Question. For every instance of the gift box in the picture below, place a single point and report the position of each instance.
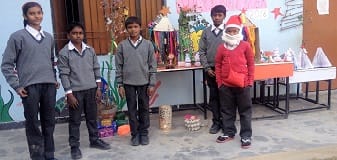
(107, 113)
(106, 122)
(99, 126)
(114, 127)
(105, 132)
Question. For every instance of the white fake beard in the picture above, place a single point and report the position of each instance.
(232, 41)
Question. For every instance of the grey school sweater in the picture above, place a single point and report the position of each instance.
(33, 60)
(208, 45)
(78, 72)
(135, 65)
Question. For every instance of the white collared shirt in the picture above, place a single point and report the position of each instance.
(35, 33)
(216, 30)
(137, 42)
(72, 47)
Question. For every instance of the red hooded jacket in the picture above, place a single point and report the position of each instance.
(240, 59)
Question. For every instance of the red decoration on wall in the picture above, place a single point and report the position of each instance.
(155, 95)
(277, 12)
(243, 11)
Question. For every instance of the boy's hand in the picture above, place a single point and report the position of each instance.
(211, 73)
(150, 91)
(98, 95)
(22, 92)
(57, 85)
(121, 92)
(72, 101)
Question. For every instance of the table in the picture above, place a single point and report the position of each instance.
(273, 71)
(193, 69)
(313, 75)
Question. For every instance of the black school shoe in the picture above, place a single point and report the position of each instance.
(99, 144)
(214, 129)
(144, 140)
(224, 138)
(135, 140)
(246, 142)
(75, 153)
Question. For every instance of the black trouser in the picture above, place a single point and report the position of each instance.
(41, 99)
(214, 99)
(87, 103)
(139, 119)
(233, 99)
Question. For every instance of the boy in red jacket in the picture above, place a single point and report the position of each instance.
(234, 68)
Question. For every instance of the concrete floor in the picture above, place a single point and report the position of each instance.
(305, 131)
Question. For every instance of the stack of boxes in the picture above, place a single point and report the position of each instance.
(106, 124)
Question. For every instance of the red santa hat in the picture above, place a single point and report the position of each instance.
(234, 21)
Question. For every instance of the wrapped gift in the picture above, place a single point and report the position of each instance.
(114, 127)
(105, 132)
(106, 122)
(108, 113)
(99, 126)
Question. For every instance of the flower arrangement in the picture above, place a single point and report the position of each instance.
(115, 13)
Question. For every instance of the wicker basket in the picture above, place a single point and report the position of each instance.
(192, 123)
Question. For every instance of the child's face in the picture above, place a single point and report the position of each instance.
(133, 29)
(218, 18)
(34, 16)
(76, 35)
(232, 31)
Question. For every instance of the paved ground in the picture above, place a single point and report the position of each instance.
(303, 136)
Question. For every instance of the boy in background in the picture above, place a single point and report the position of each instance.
(208, 44)
(136, 76)
(81, 80)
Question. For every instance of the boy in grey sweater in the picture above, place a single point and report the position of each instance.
(81, 79)
(136, 76)
(27, 65)
(208, 45)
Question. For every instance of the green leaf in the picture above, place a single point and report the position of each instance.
(60, 104)
(102, 70)
(5, 116)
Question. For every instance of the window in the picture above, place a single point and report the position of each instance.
(90, 14)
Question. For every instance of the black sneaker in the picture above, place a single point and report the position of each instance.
(135, 140)
(99, 144)
(214, 129)
(75, 153)
(224, 138)
(246, 142)
(144, 140)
